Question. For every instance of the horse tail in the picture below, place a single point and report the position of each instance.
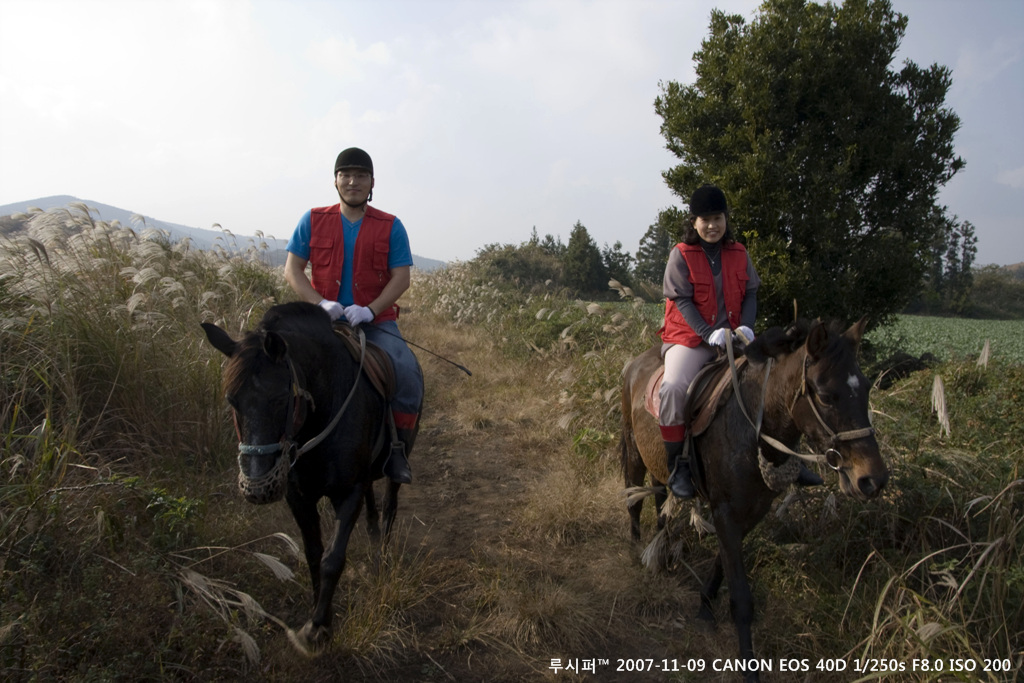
(629, 455)
(624, 451)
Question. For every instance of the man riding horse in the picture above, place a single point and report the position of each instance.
(360, 265)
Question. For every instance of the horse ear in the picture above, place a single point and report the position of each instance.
(220, 339)
(817, 339)
(856, 331)
(274, 346)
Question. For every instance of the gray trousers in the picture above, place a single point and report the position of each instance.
(682, 364)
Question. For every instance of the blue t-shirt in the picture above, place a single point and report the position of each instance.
(399, 253)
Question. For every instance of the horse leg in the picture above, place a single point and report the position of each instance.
(372, 514)
(659, 501)
(741, 599)
(634, 472)
(317, 630)
(709, 591)
(390, 507)
(308, 518)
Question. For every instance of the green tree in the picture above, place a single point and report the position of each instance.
(946, 284)
(553, 246)
(584, 269)
(657, 243)
(961, 248)
(550, 245)
(526, 265)
(618, 264)
(997, 293)
(831, 159)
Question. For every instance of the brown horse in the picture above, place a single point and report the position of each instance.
(311, 424)
(814, 389)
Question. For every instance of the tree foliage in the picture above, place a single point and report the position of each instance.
(657, 242)
(584, 268)
(528, 264)
(947, 283)
(997, 293)
(831, 159)
(618, 264)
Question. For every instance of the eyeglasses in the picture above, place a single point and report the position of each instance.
(360, 177)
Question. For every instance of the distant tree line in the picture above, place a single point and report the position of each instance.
(579, 266)
(951, 286)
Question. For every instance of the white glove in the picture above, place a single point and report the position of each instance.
(333, 308)
(357, 315)
(717, 337)
(745, 331)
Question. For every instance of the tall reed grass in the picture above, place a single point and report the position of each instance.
(106, 396)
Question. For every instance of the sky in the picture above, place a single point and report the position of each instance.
(485, 120)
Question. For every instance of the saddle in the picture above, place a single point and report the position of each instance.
(378, 368)
(376, 364)
(708, 391)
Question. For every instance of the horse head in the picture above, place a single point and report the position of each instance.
(262, 386)
(832, 409)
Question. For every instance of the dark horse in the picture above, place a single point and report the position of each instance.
(814, 388)
(309, 424)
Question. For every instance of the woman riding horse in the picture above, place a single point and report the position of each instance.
(802, 381)
(710, 290)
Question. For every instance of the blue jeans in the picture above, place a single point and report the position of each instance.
(409, 394)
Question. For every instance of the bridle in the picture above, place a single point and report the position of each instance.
(296, 403)
(832, 457)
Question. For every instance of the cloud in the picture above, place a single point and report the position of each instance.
(563, 55)
(980, 66)
(1013, 178)
(342, 57)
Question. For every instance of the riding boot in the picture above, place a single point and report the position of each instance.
(679, 481)
(808, 478)
(396, 468)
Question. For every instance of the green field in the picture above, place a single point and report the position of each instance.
(953, 338)
(945, 338)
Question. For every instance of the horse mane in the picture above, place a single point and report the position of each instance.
(780, 341)
(298, 317)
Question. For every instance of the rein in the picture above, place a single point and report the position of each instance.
(286, 443)
(832, 457)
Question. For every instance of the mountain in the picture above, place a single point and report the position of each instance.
(203, 239)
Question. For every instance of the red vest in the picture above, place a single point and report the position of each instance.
(734, 288)
(369, 260)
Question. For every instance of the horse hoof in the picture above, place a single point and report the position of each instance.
(706, 621)
(310, 639)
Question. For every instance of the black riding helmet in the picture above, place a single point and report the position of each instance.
(708, 199)
(353, 157)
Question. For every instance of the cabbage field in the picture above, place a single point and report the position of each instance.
(953, 338)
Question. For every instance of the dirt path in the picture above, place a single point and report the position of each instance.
(468, 507)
